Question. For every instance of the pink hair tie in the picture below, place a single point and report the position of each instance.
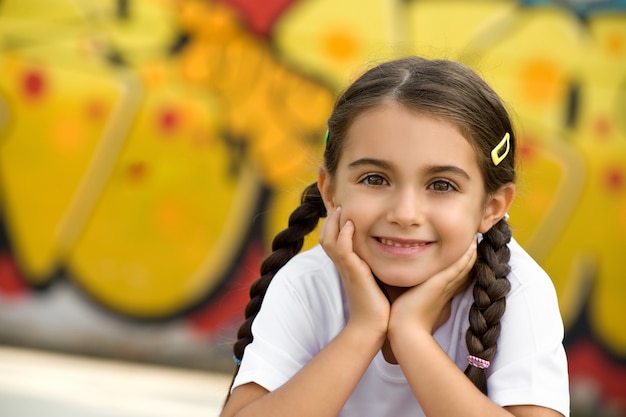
(477, 362)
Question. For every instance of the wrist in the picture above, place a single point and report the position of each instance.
(401, 327)
(366, 335)
(403, 318)
(403, 340)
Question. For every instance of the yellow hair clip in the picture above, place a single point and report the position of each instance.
(496, 157)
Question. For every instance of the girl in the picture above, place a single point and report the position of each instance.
(417, 178)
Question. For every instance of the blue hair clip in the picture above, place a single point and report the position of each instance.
(237, 360)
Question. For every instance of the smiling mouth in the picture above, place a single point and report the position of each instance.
(401, 244)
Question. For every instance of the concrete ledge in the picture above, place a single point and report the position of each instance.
(36, 383)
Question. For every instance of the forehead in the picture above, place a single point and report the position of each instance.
(403, 136)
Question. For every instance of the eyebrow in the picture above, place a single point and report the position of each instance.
(441, 169)
(433, 170)
(370, 161)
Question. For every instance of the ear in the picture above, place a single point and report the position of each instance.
(496, 206)
(324, 184)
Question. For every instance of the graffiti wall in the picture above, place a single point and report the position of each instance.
(150, 150)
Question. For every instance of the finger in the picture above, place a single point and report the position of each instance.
(344, 240)
(465, 264)
(330, 228)
(470, 257)
(454, 275)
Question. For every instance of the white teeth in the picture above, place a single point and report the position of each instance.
(398, 244)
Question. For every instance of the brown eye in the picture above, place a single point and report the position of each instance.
(374, 180)
(441, 186)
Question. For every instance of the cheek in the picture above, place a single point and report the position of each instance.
(458, 228)
(362, 217)
(460, 216)
(357, 210)
(353, 207)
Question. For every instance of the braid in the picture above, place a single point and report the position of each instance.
(490, 288)
(285, 246)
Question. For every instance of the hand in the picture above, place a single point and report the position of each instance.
(427, 306)
(369, 307)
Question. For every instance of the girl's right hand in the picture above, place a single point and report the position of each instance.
(369, 308)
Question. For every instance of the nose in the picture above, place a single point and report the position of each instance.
(406, 208)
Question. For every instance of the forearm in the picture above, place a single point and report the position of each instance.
(440, 387)
(321, 387)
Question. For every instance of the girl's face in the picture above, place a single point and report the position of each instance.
(413, 188)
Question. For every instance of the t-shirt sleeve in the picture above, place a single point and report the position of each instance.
(530, 366)
(297, 318)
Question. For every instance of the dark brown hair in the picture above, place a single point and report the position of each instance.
(447, 90)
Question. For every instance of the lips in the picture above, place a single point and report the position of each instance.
(402, 243)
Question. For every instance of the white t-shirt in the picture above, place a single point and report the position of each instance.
(305, 308)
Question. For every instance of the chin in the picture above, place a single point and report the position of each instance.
(398, 281)
(392, 292)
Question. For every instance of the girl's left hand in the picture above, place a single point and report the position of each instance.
(427, 306)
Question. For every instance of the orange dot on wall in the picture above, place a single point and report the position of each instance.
(95, 110)
(136, 171)
(603, 126)
(616, 44)
(66, 136)
(169, 216)
(154, 75)
(542, 81)
(539, 201)
(202, 138)
(340, 44)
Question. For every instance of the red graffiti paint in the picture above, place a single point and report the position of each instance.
(614, 179)
(526, 149)
(33, 84)
(588, 362)
(169, 120)
(260, 15)
(11, 284)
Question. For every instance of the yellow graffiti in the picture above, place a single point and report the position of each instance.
(147, 204)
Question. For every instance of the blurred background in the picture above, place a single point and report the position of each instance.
(151, 149)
